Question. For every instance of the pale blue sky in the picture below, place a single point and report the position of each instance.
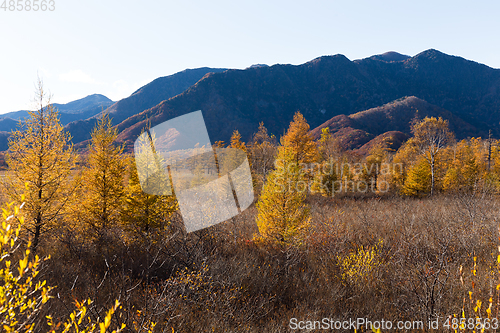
(113, 47)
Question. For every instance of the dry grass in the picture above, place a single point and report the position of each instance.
(221, 280)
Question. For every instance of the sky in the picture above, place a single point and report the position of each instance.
(114, 47)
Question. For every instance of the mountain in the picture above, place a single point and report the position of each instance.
(390, 56)
(144, 98)
(392, 140)
(368, 96)
(357, 129)
(4, 136)
(80, 109)
(9, 124)
(329, 86)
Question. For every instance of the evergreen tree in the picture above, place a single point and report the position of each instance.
(143, 212)
(41, 157)
(463, 173)
(236, 141)
(100, 197)
(300, 141)
(418, 180)
(262, 151)
(283, 216)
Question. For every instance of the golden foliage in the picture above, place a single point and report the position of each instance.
(300, 141)
(41, 156)
(359, 266)
(430, 137)
(143, 212)
(22, 296)
(282, 214)
(99, 198)
(464, 170)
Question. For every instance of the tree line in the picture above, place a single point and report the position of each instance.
(101, 191)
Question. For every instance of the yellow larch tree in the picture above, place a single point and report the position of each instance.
(373, 164)
(149, 208)
(261, 153)
(418, 178)
(99, 200)
(402, 162)
(325, 179)
(463, 173)
(283, 217)
(300, 141)
(232, 158)
(236, 141)
(40, 155)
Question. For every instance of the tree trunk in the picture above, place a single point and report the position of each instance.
(432, 175)
(36, 238)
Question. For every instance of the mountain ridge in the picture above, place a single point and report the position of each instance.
(78, 109)
(147, 96)
(465, 92)
(328, 86)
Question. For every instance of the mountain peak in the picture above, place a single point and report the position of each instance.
(390, 56)
(257, 66)
(338, 56)
(431, 53)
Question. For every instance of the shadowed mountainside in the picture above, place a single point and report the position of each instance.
(464, 92)
(330, 86)
(144, 98)
(358, 129)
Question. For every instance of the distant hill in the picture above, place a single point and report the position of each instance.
(357, 129)
(144, 98)
(333, 85)
(80, 109)
(4, 136)
(258, 65)
(8, 124)
(390, 56)
(391, 140)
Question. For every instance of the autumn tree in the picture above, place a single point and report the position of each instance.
(230, 159)
(283, 217)
(329, 147)
(40, 155)
(402, 163)
(262, 150)
(418, 178)
(430, 137)
(373, 164)
(23, 295)
(493, 174)
(325, 176)
(143, 212)
(463, 173)
(300, 141)
(236, 141)
(100, 196)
